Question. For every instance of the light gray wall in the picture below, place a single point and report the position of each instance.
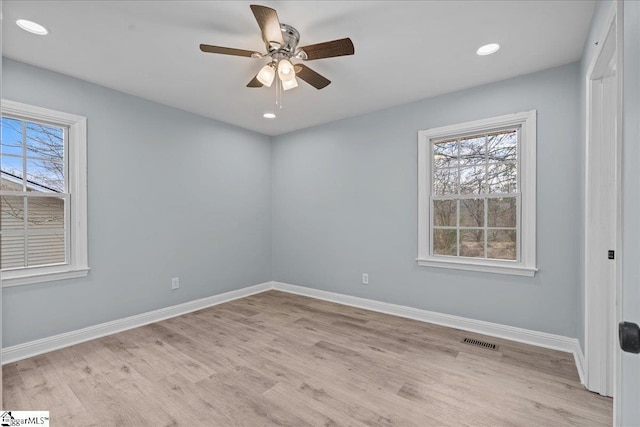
(345, 202)
(598, 22)
(170, 194)
(630, 381)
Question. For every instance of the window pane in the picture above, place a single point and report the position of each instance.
(472, 243)
(503, 146)
(12, 212)
(445, 154)
(472, 151)
(445, 182)
(45, 141)
(472, 213)
(502, 244)
(46, 249)
(43, 175)
(45, 212)
(12, 251)
(472, 180)
(502, 212)
(445, 213)
(11, 173)
(11, 136)
(444, 242)
(501, 178)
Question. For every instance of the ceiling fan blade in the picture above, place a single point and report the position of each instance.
(255, 82)
(308, 75)
(330, 49)
(226, 50)
(269, 25)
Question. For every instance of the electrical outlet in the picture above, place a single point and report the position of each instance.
(365, 279)
(175, 283)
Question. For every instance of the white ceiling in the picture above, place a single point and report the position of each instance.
(405, 51)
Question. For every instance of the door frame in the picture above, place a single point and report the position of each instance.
(597, 342)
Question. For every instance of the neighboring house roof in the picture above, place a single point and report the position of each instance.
(31, 185)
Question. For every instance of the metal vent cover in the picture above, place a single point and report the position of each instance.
(478, 343)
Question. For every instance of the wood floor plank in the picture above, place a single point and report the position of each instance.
(314, 414)
(282, 359)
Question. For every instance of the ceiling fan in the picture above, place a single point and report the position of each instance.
(281, 42)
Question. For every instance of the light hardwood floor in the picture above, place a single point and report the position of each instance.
(281, 359)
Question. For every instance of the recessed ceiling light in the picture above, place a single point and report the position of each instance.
(32, 27)
(269, 116)
(488, 49)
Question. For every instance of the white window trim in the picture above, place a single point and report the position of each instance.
(526, 266)
(77, 186)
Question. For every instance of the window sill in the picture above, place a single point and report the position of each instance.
(498, 268)
(18, 278)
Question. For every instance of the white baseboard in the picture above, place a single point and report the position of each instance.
(526, 336)
(578, 356)
(540, 339)
(44, 345)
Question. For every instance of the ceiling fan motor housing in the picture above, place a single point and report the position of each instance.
(291, 37)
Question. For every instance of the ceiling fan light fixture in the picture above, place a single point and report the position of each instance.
(266, 75)
(289, 84)
(285, 70)
(488, 49)
(32, 27)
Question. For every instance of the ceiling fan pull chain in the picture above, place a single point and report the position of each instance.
(278, 93)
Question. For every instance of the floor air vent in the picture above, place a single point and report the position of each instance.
(479, 343)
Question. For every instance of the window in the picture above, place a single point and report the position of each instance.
(43, 195)
(477, 189)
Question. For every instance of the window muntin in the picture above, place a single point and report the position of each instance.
(474, 197)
